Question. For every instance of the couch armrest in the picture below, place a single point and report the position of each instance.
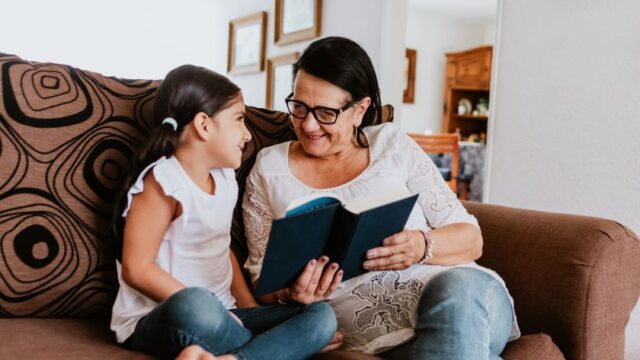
(575, 278)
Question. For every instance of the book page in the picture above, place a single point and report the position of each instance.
(311, 202)
(374, 200)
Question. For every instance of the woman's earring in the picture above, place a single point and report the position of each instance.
(290, 123)
(355, 133)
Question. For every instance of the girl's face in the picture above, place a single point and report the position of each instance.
(318, 139)
(229, 135)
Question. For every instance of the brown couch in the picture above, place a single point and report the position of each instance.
(66, 136)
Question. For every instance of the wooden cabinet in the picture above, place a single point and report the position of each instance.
(468, 76)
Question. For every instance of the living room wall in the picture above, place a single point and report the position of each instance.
(565, 126)
(131, 39)
(377, 25)
(432, 35)
(146, 38)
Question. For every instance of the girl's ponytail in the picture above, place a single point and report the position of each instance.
(185, 92)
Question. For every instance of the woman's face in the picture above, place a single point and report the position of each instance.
(322, 139)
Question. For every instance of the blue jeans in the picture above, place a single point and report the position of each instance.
(195, 316)
(463, 313)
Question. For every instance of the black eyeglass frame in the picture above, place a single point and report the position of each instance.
(308, 109)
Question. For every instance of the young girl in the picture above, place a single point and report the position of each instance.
(179, 283)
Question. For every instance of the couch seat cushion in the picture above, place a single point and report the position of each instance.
(62, 339)
(532, 347)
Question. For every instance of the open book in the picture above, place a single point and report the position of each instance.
(322, 224)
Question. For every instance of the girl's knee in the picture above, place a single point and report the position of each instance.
(322, 319)
(194, 298)
(192, 305)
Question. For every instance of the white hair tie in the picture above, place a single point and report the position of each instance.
(171, 121)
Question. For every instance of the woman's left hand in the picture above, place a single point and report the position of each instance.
(397, 252)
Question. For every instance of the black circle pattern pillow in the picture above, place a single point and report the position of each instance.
(65, 139)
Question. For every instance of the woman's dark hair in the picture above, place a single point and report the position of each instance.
(345, 64)
(186, 91)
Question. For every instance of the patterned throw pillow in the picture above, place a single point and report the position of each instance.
(65, 139)
(66, 136)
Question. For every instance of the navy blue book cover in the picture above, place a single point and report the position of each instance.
(324, 227)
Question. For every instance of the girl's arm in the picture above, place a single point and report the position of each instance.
(239, 289)
(147, 221)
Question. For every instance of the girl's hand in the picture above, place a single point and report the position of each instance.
(315, 283)
(335, 343)
(397, 252)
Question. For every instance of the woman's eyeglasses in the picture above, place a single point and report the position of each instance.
(324, 115)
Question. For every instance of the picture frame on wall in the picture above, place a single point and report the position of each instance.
(247, 42)
(280, 80)
(409, 76)
(297, 20)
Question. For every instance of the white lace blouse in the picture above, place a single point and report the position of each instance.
(376, 310)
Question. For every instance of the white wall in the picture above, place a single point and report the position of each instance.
(147, 38)
(566, 127)
(131, 39)
(363, 21)
(433, 34)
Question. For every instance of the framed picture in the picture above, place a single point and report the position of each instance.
(409, 76)
(247, 39)
(297, 20)
(280, 80)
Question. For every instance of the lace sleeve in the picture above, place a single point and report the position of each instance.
(258, 216)
(439, 204)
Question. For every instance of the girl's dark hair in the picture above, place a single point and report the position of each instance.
(186, 91)
(345, 64)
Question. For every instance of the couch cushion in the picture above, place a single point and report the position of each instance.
(62, 339)
(65, 135)
(532, 347)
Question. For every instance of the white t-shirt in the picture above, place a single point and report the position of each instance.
(195, 247)
(376, 310)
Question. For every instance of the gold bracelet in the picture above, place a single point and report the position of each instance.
(277, 298)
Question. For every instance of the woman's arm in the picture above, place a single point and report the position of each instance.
(456, 236)
(148, 218)
(455, 244)
(452, 244)
(239, 289)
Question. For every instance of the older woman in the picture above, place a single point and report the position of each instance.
(423, 297)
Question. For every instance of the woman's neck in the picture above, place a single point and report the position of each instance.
(329, 171)
(344, 155)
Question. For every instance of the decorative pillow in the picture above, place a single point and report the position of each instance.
(65, 139)
(66, 136)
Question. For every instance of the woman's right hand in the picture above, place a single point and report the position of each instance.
(315, 283)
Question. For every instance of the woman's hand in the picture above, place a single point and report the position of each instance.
(397, 252)
(315, 283)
